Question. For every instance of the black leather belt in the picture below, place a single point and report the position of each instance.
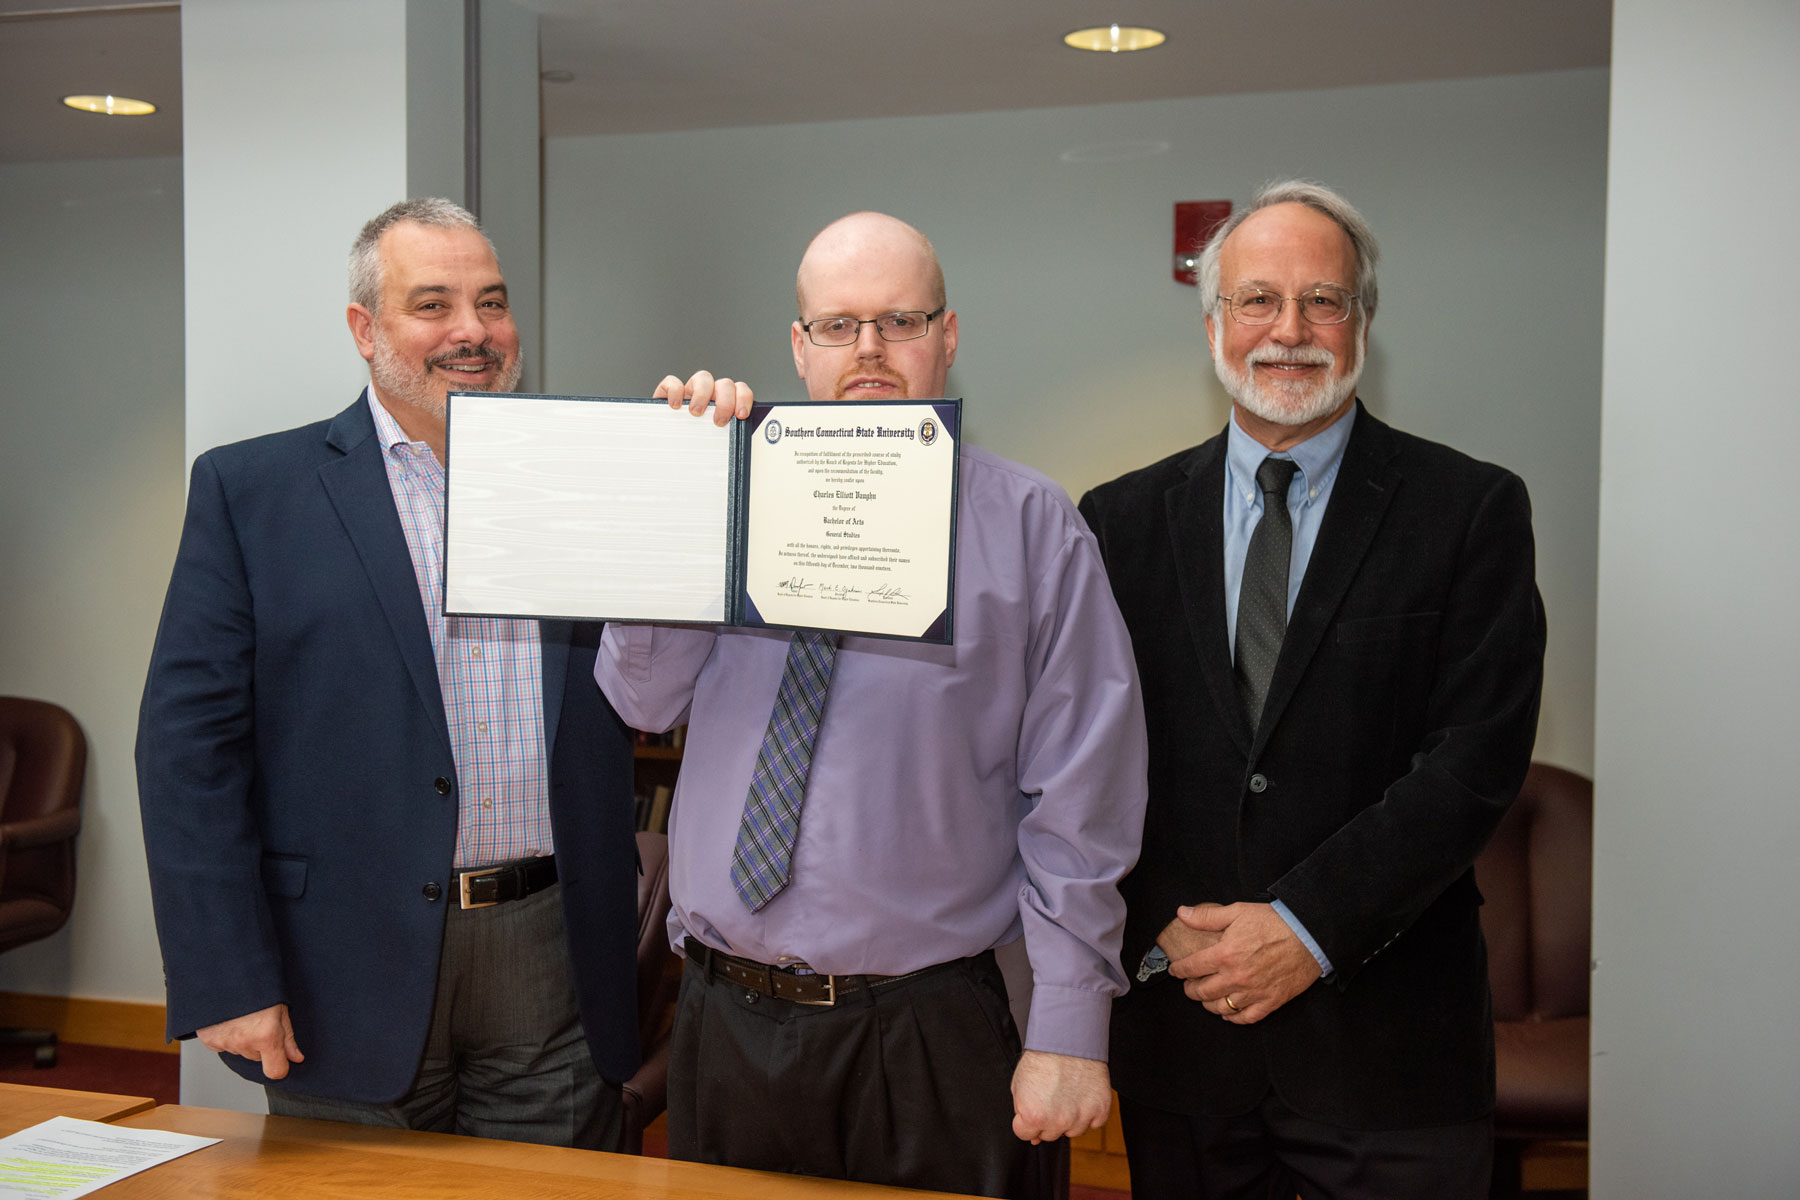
(784, 983)
(488, 886)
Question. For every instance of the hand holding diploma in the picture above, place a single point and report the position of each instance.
(727, 397)
(818, 554)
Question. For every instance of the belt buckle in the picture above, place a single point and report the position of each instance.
(830, 1000)
(463, 879)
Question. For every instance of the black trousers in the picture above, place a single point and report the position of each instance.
(907, 1083)
(1274, 1153)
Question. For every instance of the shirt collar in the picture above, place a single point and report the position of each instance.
(1318, 457)
(386, 428)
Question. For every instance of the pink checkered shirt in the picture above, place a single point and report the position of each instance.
(490, 671)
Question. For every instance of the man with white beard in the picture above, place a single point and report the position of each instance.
(378, 834)
(1340, 643)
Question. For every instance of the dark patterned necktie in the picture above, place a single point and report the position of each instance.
(765, 841)
(1262, 597)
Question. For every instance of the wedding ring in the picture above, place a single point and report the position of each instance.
(1231, 1006)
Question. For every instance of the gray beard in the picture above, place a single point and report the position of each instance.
(402, 382)
(1289, 403)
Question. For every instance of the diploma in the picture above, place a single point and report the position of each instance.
(851, 516)
(836, 516)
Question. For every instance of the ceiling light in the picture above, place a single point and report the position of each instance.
(1114, 38)
(111, 106)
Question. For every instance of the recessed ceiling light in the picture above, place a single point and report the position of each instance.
(111, 106)
(556, 76)
(1114, 38)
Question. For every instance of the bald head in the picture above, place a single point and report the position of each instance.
(875, 244)
(862, 267)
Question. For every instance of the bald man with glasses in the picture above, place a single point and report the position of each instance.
(848, 1018)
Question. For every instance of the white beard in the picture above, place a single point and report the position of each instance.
(1284, 403)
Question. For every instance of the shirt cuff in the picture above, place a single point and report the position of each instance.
(1306, 939)
(1068, 1021)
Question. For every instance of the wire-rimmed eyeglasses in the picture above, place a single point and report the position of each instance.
(893, 327)
(1326, 304)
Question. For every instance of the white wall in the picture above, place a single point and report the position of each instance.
(1696, 1069)
(511, 174)
(91, 488)
(1080, 355)
(276, 194)
(436, 117)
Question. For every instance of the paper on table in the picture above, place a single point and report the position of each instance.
(62, 1158)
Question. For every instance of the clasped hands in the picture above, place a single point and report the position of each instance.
(1239, 961)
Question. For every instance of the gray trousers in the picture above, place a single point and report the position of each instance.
(506, 1057)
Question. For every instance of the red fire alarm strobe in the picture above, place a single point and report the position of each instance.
(1195, 222)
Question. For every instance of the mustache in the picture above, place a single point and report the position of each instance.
(882, 374)
(1308, 356)
(486, 353)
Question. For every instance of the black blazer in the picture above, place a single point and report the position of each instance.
(1399, 724)
(297, 784)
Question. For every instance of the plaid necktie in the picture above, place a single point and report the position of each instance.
(1263, 594)
(765, 841)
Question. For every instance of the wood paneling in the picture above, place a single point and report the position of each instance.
(92, 1022)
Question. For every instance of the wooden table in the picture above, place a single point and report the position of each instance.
(21, 1106)
(286, 1156)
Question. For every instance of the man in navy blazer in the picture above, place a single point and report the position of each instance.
(1338, 720)
(391, 852)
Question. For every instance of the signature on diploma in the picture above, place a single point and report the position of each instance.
(840, 591)
(798, 585)
(889, 593)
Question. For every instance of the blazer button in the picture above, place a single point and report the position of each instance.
(431, 891)
(442, 785)
(1259, 783)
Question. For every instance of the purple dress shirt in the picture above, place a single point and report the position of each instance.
(959, 795)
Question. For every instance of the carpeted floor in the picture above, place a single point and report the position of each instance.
(98, 1069)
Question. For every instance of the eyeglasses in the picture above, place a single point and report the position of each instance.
(893, 327)
(1326, 304)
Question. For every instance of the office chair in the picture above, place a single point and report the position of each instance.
(1537, 878)
(43, 757)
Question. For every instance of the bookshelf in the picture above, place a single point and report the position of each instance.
(656, 761)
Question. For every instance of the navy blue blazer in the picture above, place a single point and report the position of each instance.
(1398, 727)
(296, 779)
